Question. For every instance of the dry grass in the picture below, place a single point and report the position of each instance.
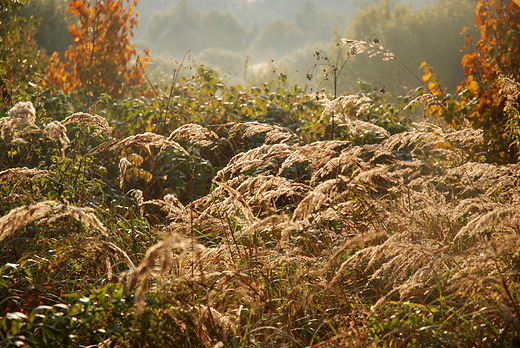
(47, 212)
(194, 133)
(274, 134)
(84, 121)
(300, 244)
(343, 102)
(372, 223)
(157, 262)
(57, 131)
(145, 141)
(21, 173)
(20, 122)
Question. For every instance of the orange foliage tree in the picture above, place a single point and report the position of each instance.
(99, 59)
(495, 54)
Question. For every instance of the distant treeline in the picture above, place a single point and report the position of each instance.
(285, 34)
(296, 29)
(183, 26)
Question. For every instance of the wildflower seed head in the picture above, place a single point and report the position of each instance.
(56, 131)
(24, 111)
(356, 47)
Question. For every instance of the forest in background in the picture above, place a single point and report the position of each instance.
(189, 211)
(250, 40)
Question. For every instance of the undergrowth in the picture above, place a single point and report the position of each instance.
(230, 219)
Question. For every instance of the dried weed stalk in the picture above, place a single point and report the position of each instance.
(22, 173)
(274, 133)
(22, 116)
(158, 261)
(145, 140)
(194, 133)
(85, 121)
(47, 212)
(57, 131)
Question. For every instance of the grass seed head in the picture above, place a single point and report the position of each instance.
(58, 132)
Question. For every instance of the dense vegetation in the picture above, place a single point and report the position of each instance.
(201, 214)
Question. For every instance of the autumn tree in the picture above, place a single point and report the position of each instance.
(99, 60)
(496, 54)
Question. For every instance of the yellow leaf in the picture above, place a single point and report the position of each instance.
(426, 77)
(131, 173)
(464, 29)
(136, 159)
(146, 176)
(473, 86)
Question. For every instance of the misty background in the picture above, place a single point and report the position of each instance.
(253, 41)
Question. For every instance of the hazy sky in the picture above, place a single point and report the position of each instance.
(257, 11)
